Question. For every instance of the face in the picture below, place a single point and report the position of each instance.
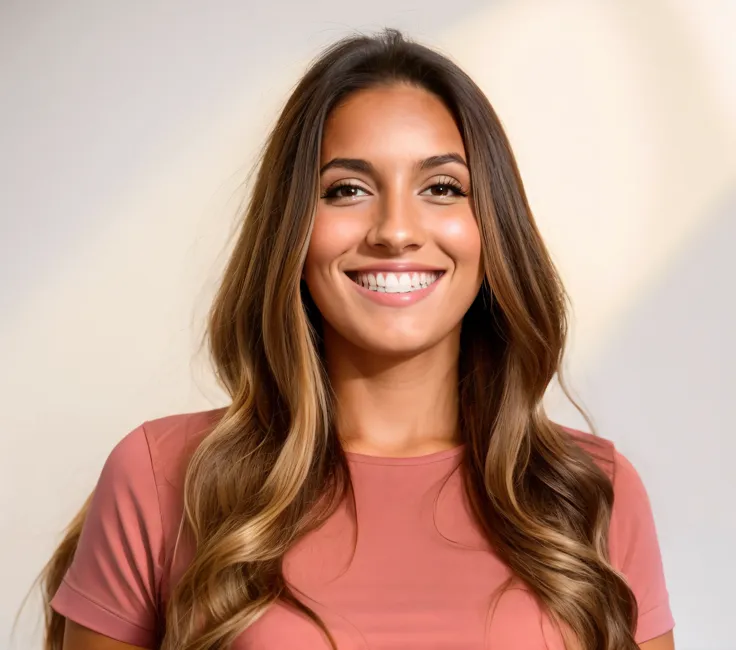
(394, 261)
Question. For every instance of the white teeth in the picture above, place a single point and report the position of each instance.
(392, 283)
(396, 282)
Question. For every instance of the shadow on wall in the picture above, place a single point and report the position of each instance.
(112, 110)
(664, 385)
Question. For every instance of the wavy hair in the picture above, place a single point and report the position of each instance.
(273, 469)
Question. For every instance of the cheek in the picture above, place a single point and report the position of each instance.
(331, 238)
(460, 238)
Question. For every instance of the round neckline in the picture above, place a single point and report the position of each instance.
(424, 459)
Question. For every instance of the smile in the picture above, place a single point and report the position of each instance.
(389, 282)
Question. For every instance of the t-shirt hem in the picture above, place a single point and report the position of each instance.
(654, 623)
(77, 607)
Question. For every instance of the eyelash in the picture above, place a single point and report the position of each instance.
(330, 192)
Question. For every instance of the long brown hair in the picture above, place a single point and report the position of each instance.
(273, 468)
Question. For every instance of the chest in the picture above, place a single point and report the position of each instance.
(388, 612)
(415, 573)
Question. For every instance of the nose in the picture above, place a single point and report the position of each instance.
(397, 226)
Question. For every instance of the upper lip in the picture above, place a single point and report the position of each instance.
(395, 267)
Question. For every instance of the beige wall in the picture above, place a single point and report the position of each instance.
(127, 128)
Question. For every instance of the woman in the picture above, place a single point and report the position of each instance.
(385, 476)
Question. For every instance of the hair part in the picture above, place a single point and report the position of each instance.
(273, 469)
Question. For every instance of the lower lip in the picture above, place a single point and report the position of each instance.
(396, 299)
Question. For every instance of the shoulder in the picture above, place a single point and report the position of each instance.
(632, 513)
(143, 477)
(633, 542)
(171, 441)
(601, 450)
(120, 571)
(145, 471)
(632, 538)
(165, 442)
(146, 468)
(628, 488)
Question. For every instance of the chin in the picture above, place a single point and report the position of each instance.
(397, 344)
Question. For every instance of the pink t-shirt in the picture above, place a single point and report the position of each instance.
(422, 575)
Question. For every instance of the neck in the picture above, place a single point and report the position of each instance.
(389, 406)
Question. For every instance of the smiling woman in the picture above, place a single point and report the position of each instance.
(385, 476)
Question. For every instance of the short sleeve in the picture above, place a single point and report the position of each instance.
(112, 585)
(635, 551)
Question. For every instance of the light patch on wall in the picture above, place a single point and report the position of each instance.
(624, 148)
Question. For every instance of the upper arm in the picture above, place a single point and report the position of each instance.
(635, 553)
(113, 584)
(77, 637)
(664, 642)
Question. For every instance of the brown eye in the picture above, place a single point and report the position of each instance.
(445, 190)
(442, 190)
(344, 191)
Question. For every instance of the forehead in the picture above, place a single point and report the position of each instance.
(394, 122)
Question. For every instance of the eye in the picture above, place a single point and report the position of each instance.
(445, 188)
(344, 191)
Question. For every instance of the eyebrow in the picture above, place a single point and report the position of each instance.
(364, 167)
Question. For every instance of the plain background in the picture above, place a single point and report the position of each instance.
(128, 128)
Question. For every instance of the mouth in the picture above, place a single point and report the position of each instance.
(392, 282)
